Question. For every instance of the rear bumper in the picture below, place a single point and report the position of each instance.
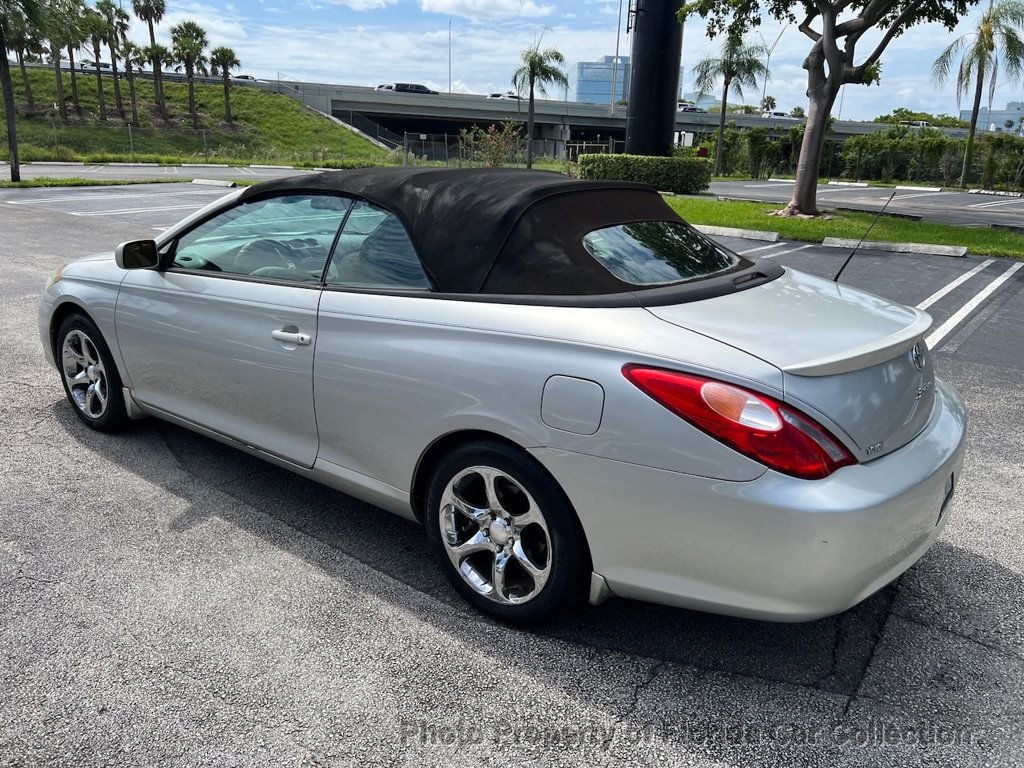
(773, 548)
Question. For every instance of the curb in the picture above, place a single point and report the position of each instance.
(746, 234)
(847, 183)
(275, 167)
(215, 182)
(52, 162)
(131, 165)
(878, 245)
(204, 165)
(998, 192)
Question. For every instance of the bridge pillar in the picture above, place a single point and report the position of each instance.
(654, 77)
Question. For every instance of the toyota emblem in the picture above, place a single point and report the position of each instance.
(917, 356)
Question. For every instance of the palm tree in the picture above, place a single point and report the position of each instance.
(117, 24)
(133, 56)
(188, 47)
(997, 42)
(151, 11)
(538, 70)
(224, 59)
(64, 19)
(738, 67)
(95, 28)
(26, 39)
(9, 10)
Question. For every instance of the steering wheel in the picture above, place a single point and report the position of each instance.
(258, 250)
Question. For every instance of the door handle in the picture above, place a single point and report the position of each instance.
(289, 337)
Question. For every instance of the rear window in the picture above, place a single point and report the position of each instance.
(651, 253)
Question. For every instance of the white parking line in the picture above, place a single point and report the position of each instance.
(935, 337)
(762, 248)
(110, 196)
(789, 250)
(919, 194)
(995, 204)
(953, 285)
(134, 210)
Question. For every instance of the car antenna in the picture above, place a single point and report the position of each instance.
(865, 235)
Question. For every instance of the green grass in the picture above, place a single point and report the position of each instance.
(269, 128)
(77, 181)
(747, 215)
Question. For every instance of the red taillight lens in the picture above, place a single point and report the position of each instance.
(753, 424)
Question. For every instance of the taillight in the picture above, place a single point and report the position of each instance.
(753, 424)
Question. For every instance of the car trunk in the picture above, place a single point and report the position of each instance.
(846, 353)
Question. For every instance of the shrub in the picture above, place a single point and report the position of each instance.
(685, 175)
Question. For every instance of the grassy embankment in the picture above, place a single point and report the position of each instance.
(748, 215)
(268, 128)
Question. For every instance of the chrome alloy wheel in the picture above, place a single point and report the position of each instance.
(495, 535)
(84, 374)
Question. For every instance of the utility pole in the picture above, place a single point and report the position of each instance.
(615, 61)
(449, 54)
(767, 61)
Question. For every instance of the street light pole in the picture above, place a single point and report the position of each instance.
(767, 61)
(449, 54)
(615, 61)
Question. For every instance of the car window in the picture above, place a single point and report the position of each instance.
(281, 238)
(657, 252)
(374, 251)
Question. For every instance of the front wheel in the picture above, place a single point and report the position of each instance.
(91, 381)
(505, 535)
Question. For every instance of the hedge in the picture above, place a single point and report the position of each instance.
(685, 175)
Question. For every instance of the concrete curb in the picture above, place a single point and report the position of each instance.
(275, 167)
(877, 245)
(847, 183)
(215, 182)
(52, 162)
(131, 165)
(746, 234)
(998, 192)
(205, 165)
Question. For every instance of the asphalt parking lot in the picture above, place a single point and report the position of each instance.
(929, 203)
(165, 600)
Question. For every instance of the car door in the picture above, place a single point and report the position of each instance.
(223, 337)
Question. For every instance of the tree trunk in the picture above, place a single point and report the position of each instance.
(192, 97)
(59, 78)
(821, 98)
(158, 82)
(227, 96)
(25, 82)
(721, 128)
(529, 129)
(9, 114)
(74, 82)
(979, 88)
(118, 101)
(99, 82)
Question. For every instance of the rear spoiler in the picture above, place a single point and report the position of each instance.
(867, 355)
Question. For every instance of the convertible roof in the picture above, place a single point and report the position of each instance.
(459, 219)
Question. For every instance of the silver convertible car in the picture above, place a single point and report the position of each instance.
(576, 393)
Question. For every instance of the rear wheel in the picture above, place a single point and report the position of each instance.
(505, 535)
(91, 381)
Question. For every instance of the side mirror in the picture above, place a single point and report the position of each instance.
(137, 254)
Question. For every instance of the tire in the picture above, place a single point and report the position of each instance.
(91, 381)
(525, 522)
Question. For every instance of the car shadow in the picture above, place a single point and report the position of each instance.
(832, 655)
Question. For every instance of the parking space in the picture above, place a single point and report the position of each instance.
(165, 599)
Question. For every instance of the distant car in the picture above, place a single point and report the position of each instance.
(412, 88)
(915, 124)
(244, 77)
(385, 87)
(509, 95)
(91, 65)
(574, 391)
(778, 116)
(692, 108)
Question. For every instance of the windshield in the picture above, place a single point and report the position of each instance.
(657, 253)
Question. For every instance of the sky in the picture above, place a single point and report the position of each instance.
(367, 42)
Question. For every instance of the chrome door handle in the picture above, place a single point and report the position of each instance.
(287, 337)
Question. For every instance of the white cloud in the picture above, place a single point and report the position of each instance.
(363, 5)
(487, 9)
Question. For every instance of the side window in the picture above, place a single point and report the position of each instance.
(281, 238)
(374, 251)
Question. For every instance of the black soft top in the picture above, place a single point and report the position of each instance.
(481, 231)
